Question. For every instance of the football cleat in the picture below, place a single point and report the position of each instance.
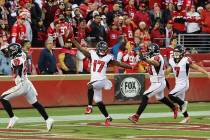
(88, 110)
(134, 118)
(185, 120)
(49, 124)
(108, 121)
(184, 106)
(12, 122)
(175, 110)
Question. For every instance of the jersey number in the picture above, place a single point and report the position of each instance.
(177, 69)
(100, 63)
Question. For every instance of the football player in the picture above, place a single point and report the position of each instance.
(100, 58)
(179, 64)
(23, 86)
(158, 82)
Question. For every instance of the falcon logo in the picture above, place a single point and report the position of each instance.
(130, 87)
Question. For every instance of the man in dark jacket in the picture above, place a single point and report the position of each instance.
(97, 30)
(47, 59)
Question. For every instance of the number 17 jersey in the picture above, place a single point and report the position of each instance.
(181, 69)
(99, 65)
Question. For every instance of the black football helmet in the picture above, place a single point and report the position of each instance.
(153, 49)
(102, 48)
(179, 52)
(14, 49)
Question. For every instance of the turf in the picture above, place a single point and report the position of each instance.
(121, 129)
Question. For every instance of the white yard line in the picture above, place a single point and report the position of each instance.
(100, 117)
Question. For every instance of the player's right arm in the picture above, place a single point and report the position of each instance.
(150, 61)
(83, 50)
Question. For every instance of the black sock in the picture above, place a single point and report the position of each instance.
(102, 108)
(7, 106)
(41, 110)
(176, 100)
(185, 114)
(143, 105)
(90, 96)
(167, 102)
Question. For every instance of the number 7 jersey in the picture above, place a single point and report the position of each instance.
(181, 69)
(99, 65)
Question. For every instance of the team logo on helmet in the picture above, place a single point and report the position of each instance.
(179, 52)
(14, 49)
(153, 49)
(102, 48)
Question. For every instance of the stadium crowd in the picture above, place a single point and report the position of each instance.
(128, 26)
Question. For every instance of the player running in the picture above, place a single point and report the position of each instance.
(99, 63)
(23, 87)
(158, 83)
(179, 64)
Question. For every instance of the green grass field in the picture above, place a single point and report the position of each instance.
(150, 126)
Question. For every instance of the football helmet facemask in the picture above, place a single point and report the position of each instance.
(102, 48)
(14, 49)
(153, 49)
(179, 52)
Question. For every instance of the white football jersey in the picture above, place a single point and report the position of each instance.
(157, 73)
(20, 60)
(181, 69)
(99, 65)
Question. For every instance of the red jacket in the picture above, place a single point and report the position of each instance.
(155, 33)
(112, 37)
(205, 17)
(140, 16)
(177, 17)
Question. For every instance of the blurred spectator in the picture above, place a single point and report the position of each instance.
(142, 33)
(152, 2)
(12, 7)
(36, 13)
(131, 9)
(157, 34)
(47, 59)
(142, 15)
(82, 30)
(4, 31)
(25, 11)
(167, 13)
(84, 7)
(128, 29)
(168, 33)
(5, 60)
(97, 31)
(121, 42)
(39, 34)
(68, 15)
(179, 19)
(193, 21)
(26, 45)
(49, 9)
(110, 16)
(67, 59)
(205, 16)
(113, 35)
(76, 19)
(168, 52)
(156, 14)
(104, 23)
(3, 11)
(60, 9)
(18, 33)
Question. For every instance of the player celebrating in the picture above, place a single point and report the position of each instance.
(158, 83)
(23, 87)
(180, 65)
(99, 62)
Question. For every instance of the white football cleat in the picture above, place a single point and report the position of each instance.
(184, 106)
(185, 120)
(12, 122)
(49, 123)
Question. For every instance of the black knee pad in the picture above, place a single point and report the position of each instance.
(171, 97)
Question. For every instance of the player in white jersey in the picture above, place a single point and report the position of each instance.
(179, 64)
(23, 87)
(158, 82)
(100, 59)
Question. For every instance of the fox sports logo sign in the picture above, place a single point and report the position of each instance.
(130, 87)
